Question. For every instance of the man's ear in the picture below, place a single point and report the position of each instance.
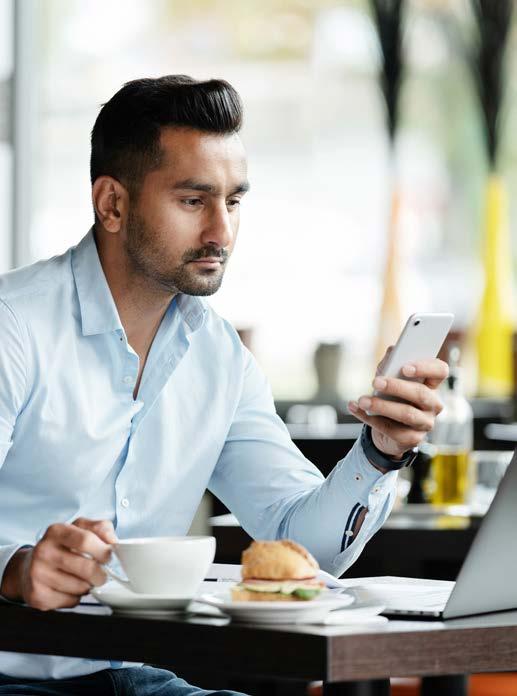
(111, 202)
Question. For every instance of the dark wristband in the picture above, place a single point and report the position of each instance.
(378, 458)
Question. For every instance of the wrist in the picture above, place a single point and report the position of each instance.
(375, 464)
(380, 460)
(11, 586)
(375, 441)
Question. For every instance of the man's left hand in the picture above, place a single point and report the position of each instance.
(397, 426)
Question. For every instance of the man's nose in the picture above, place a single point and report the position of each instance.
(218, 230)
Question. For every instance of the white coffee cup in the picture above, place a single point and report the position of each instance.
(172, 566)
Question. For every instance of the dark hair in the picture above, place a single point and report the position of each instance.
(126, 134)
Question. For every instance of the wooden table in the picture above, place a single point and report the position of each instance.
(350, 660)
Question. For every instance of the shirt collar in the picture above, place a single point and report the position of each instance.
(98, 310)
(192, 309)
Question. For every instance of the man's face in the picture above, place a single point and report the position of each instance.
(182, 229)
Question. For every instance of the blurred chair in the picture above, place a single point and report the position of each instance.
(496, 684)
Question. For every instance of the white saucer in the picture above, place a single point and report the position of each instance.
(310, 611)
(123, 600)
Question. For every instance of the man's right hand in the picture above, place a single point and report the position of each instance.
(54, 573)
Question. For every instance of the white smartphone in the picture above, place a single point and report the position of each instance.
(421, 338)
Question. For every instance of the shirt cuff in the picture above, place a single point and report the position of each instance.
(6, 553)
(365, 480)
(370, 489)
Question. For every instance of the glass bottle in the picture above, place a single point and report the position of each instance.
(451, 442)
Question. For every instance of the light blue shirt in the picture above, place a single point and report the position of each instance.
(75, 443)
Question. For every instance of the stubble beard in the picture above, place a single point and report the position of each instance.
(147, 261)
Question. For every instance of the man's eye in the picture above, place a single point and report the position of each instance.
(233, 202)
(192, 202)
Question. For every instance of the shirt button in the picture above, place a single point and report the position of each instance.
(124, 502)
(128, 379)
(358, 477)
(377, 489)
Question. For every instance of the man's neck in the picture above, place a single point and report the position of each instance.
(141, 307)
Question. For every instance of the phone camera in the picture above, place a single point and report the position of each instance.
(417, 322)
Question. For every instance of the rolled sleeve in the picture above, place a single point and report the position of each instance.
(376, 492)
(321, 518)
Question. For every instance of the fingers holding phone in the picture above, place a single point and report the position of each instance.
(404, 404)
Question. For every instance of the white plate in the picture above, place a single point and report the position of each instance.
(310, 611)
(121, 599)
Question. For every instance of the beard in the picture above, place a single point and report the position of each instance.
(148, 260)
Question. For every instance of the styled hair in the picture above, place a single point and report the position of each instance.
(126, 135)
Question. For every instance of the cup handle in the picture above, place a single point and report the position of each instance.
(112, 574)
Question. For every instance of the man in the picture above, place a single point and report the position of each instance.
(124, 396)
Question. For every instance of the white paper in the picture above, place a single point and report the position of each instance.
(224, 572)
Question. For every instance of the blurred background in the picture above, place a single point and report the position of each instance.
(383, 163)
(349, 227)
(308, 267)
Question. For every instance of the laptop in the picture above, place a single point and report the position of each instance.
(487, 581)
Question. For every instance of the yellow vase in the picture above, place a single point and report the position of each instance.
(495, 323)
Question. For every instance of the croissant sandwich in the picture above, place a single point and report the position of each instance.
(281, 571)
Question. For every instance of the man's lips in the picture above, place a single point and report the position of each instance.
(209, 260)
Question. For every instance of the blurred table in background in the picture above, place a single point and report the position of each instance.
(418, 541)
(501, 432)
